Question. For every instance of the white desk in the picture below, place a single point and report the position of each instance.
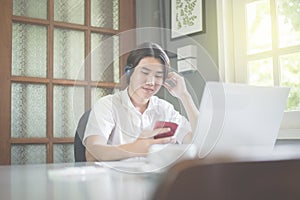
(89, 181)
(28, 182)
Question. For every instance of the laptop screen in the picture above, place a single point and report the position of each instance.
(238, 116)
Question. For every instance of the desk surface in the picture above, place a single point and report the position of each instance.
(74, 181)
(108, 180)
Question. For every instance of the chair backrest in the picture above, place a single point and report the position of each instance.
(79, 148)
(259, 180)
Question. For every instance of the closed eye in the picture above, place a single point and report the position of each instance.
(146, 73)
(159, 76)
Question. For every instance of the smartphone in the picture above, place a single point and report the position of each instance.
(162, 124)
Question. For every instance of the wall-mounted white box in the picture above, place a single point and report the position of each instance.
(187, 58)
(189, 64)
(189, 51)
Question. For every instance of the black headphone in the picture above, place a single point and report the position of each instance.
(128, 70)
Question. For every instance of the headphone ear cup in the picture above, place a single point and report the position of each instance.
(128, 70)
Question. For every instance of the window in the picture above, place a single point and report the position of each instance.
(43, 47)
(260, 45)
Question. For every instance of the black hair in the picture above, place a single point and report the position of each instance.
(147, 49)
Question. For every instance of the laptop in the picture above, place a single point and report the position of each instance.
(238, 119)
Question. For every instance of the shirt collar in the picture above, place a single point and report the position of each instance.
(127, 102)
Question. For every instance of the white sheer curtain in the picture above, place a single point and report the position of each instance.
(225, 40)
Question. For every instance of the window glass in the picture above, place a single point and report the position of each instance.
(105, 14)
(288, 22)
(68, 54)
(105, 57)
(290, 77)
(65, 108)
(30, 8)
(28, 154)
(71, 11)
(63, 153)
(259, 37)
(28, 110)
(29, 50)
(260, 72)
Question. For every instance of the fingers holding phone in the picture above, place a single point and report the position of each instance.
(162, 133)
(171, 127)
(150, 134)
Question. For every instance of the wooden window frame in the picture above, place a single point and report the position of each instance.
(127, 21)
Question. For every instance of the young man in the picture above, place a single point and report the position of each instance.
(121, 125)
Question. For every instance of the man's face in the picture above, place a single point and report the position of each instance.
(147, 77)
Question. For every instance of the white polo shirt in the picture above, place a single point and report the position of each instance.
(117, 121)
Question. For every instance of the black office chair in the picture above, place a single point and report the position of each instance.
(259, 180)
(79, 148)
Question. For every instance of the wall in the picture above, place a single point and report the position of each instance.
(148, 14)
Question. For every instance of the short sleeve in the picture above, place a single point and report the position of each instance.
(183, 129)
(101, 120)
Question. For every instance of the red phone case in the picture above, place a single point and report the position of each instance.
(162, 124)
